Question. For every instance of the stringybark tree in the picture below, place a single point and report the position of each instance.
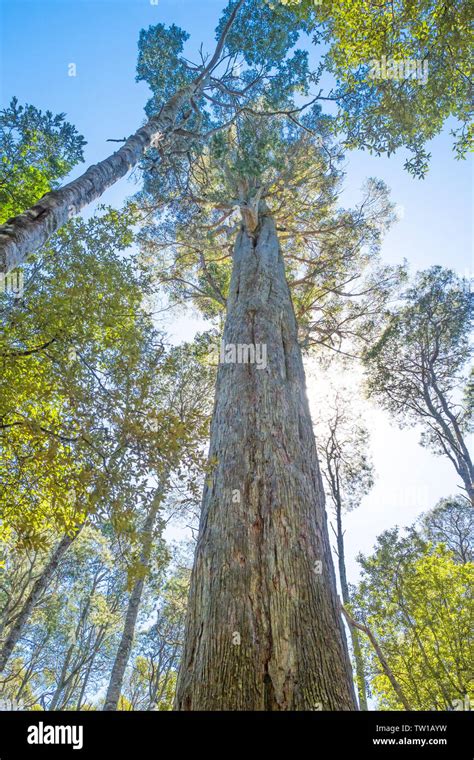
(264, 630)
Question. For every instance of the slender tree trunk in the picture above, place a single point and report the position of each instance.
(385, 666)
(263, 630)
(63, 679)
(34, 596)
(23, 234)
(85, 681)
(126, 642)
(359, 662)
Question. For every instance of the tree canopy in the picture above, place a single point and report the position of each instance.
(401, 69)
(417, 367)
(38, 149)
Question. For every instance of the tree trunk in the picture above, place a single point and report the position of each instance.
(23, 234)
(385, 666)
(263, 629)
(126, 642)
(62, 680)
(34, 596)
(359, 662)
(85, 681)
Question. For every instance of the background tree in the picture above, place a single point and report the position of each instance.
(415, 598)
(53, 396)
(451, 523)
(186, 391)
(416, 368)
(85, 420)
(343, 445)
(66, 643)
(67, 648)
(152, 681)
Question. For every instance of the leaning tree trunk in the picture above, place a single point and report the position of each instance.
(122, 656)
(263, 630)
(381, 657)
(23, 234)
(358, 658)
(37, 590)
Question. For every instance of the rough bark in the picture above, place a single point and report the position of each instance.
(124, 649)
(34, 596)
(263, 631)
(356, 648)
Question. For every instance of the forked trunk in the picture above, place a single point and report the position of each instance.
(264, 630)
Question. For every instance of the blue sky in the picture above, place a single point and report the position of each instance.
(40, 39)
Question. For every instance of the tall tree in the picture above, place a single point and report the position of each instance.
(254, 505)
(253, 598)
(263, 630)
(417, 367)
